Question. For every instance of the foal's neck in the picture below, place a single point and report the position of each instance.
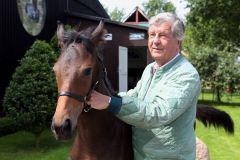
(101, 135)
(105, 86)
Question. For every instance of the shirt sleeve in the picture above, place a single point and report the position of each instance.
(172, 99)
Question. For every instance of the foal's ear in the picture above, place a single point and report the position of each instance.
(60, 33)
(98, 34)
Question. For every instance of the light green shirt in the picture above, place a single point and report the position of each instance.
(163, 119)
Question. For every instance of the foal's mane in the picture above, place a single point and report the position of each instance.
(84, 37)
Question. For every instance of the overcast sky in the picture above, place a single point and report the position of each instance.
(129, 5)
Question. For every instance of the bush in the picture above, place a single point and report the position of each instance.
(54, 43)
(31, 95)
(218, 69)
(7, 126)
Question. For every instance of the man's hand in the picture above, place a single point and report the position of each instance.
(98, 100)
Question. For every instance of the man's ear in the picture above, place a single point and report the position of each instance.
(60, 33)
(180, 45)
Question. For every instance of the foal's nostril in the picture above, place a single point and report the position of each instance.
(67, 125)
(56, 129)
(63, 131)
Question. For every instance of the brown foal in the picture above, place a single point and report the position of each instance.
(79, 70)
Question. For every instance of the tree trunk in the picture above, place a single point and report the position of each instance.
(218, 97)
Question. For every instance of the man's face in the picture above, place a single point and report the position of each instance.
(161, 43)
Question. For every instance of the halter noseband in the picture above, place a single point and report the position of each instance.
(74, 96)
(79, 98)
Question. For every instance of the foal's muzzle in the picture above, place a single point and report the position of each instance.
(64, 131)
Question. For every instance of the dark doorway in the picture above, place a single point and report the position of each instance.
(137, 61)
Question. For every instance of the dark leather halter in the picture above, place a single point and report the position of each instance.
(77, 97)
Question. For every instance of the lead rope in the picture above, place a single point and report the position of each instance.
(87, 107)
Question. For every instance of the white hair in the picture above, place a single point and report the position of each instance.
(177, 27)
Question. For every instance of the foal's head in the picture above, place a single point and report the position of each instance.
(76, 71)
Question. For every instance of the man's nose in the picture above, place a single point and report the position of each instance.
(156, 39)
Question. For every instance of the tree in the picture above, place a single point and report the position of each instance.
(154, 7)
(212, 33)
(30, 97)
(117, 14)
(215, 22)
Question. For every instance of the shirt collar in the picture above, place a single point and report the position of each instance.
(166, 66)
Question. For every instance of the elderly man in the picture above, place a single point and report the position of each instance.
(162, 106)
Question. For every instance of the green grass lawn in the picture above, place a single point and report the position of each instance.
(226, 98)
(222, 146)
(20, 146)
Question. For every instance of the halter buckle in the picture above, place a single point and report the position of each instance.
(87, 108)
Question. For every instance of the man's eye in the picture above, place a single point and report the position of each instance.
(87, 71)
(151, 35)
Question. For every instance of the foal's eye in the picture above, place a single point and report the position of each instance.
(87, 71)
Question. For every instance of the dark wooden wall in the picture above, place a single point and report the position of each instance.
(14, 40)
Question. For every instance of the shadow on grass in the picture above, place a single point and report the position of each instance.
(215, 104)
